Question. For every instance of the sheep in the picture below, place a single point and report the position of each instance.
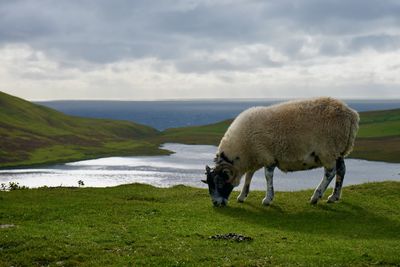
(292, 136)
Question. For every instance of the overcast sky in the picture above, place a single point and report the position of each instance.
(168, 49)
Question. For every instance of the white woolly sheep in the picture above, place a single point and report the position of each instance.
(292, 136)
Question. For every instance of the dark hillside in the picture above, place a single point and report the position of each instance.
(30, 132)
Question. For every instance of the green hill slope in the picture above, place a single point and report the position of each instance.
(381, 123)
(206, 134)
(33, 134)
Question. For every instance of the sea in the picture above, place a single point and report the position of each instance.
(181, 113)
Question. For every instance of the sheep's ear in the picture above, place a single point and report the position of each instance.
(204, 181)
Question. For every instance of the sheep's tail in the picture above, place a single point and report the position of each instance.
(354, 119)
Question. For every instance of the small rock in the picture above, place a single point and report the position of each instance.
(231, 236)
(3, 226)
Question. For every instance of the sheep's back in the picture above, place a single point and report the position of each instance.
(298, 135)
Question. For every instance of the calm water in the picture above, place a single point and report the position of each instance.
(186, 167)
(169, 114)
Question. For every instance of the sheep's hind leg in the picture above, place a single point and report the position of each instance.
(246, 187)
(269, 196)
(320, 190)
(340, 172)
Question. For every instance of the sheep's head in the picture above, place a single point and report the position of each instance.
(220, 182)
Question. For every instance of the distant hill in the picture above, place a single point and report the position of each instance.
(34, 134)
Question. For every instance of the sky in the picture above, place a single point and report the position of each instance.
(184, 49)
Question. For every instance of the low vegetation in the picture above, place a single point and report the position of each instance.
(136, 225)
(379, 136)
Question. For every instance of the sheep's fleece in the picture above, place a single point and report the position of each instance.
(294, 135)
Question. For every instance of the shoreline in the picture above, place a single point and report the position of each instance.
(161, 152)
(185, 166)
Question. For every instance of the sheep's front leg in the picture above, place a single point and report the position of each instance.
(269, 196)
(246, 187)
(320, 190)
(340, 172)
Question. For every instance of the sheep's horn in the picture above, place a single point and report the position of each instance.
(225, 158)
(230, 180)
(208, 169)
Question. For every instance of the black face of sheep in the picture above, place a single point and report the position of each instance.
(219, 186)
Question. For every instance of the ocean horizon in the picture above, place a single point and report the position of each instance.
(163, 114)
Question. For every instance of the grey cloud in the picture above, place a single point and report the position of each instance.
(105, 31)
(234, 22)
(331, 47)
(381, 42)
(332, 16)
(205, 66)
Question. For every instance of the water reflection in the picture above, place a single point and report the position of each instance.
(185, 166)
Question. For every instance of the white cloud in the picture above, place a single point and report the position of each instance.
(199, 49)
(31, 74)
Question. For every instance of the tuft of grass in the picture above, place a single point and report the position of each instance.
(140, 225)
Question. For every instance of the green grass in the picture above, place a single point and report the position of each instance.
(383, 123)
(139, 225)
(206, 134)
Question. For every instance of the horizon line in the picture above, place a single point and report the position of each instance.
(212, 99)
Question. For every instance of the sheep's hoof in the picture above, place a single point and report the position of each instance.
(266, 202)
(241, 198)
(314, 200)
(332, 199)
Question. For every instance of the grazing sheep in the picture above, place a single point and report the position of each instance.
(292, 136)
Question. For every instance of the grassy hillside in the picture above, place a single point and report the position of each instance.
(378, 137)
(206, 134)
(139, 225)
(33, 134)
(382, 123)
